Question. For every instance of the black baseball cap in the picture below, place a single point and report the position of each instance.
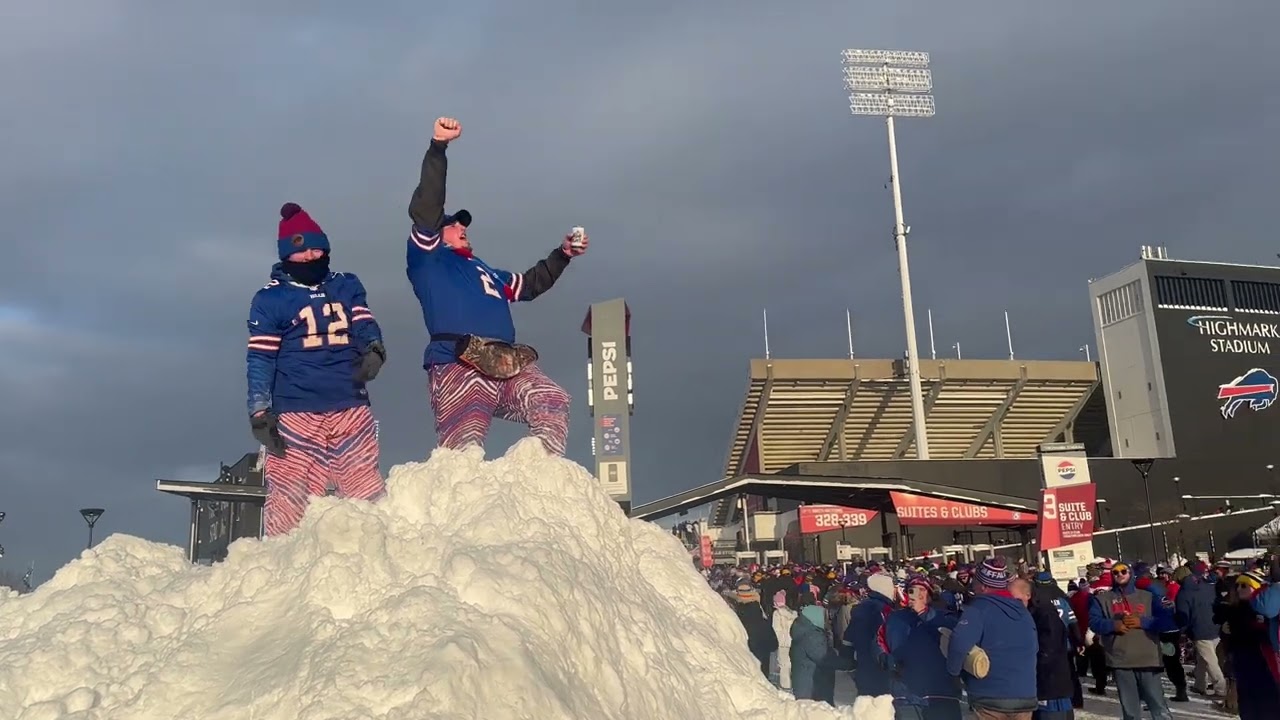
(462, 216)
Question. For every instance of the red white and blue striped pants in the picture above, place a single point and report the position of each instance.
(333, 449)
(465, 402)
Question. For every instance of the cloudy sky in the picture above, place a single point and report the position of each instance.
(706, 146)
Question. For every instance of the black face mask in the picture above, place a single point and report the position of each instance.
(312, 272)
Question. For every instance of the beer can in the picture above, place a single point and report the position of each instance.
(579, 235)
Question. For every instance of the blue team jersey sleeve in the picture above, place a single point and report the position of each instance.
(265, 334)
(363, 324)
(423, 240)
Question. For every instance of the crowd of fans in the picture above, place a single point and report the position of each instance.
(1011, 643)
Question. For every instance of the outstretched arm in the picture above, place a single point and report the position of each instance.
(426, 207)
(538, 279)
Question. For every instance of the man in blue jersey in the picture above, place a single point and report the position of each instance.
(476, 368)
(313, 345)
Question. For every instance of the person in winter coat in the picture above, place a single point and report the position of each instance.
(865, 622)
(1170, 641)
(1249, 635)
(783, 616)
(999, 624)
(909, 646)
(1094, 653)
(840, 621)
(813, 662)
(1129, 620)
(1194, 612)
(1056, 683)
(761, 640)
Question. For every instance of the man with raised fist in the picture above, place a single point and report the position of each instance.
(313, 345)
(477, 370)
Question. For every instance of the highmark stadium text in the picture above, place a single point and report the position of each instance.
(1228, 335)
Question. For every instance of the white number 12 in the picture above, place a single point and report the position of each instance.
(336, 328)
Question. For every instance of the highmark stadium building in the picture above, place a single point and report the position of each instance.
(1176, 414)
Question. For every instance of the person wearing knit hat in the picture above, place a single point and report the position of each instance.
(477, 370)
(314, 345)
(910, 648)
(993, 573)
(862, 635)
(1001, 626)
(1251, 624)
(761, 640)
(1195, 607)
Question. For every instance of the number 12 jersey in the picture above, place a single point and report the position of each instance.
(305, 344)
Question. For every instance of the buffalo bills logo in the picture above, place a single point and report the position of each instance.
(1256, 388)
(297, 240)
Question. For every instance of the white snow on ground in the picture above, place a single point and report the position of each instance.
(506, 589)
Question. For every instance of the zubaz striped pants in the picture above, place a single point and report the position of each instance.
(465, 402)
(338, 449)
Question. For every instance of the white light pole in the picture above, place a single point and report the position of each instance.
(881, 89)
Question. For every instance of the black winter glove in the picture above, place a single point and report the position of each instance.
(266, 430)
(371, 362)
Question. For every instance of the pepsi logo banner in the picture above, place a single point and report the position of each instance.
(921, 510)
(824, 518)
(1067, 515)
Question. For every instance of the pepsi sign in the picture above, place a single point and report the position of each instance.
(1066, 470)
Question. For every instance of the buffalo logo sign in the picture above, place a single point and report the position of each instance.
(1256, 388)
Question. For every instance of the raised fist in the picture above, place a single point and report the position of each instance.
(446, 129)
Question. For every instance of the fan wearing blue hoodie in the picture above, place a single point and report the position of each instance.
(865, 622)
(1000, 624)
(921, 686)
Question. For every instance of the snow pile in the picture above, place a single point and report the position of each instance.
(506, 589)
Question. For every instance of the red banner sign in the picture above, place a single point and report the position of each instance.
(705, 549)
(921, 510)
(1067, 515)
(825, 518)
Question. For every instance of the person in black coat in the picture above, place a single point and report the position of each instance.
(1055, 681)
(762, 641)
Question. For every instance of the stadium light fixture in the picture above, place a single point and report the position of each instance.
(889, 84)
(1143, 466)
(91, 516)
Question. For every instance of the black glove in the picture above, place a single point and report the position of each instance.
(266, 430)
(1273, 573)
(371, 362)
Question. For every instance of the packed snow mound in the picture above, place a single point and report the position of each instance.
(507, 589)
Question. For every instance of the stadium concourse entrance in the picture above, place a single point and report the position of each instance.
(829, 518)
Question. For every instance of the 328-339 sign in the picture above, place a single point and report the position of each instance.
(823, 518)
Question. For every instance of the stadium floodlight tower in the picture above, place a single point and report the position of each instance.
(889, 84)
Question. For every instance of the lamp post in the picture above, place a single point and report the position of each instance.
(1, 546)
(1183, 517)
(91, 516)
(879, 88)
(1143, 466)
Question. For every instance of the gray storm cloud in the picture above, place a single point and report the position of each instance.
(706, 147)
